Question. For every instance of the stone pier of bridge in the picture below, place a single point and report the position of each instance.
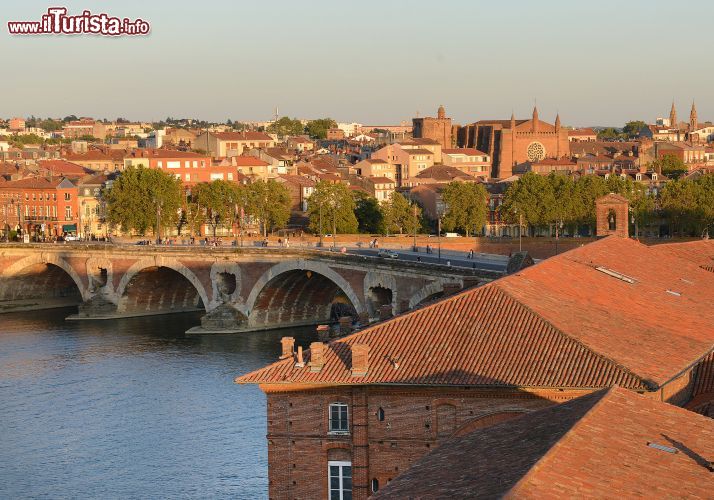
(238, 289)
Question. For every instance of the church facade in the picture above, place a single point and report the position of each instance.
(514, 142)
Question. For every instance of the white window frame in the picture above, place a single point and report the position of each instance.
(329, 419)
(340, 491)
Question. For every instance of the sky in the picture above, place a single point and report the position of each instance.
(369, 61)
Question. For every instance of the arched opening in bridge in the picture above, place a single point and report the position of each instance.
(39, 286)
(300, 297)
(377, 297)
(226, 283)
(159, 290)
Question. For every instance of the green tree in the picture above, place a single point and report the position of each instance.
(141, 198)
(331, 207)
(632, 128)
(608, 133)
(268, 202)
(217, 201)
(466, 206)
(399, 214)
(679, 202)
(317, 129)
(286, 126)
(370, 218)
(705, 202)
(530, 199)
(669, 165)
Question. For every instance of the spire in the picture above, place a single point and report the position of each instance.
(673, 116)
(557, 121)
(535, 119)
(513, 121)
(693, 122)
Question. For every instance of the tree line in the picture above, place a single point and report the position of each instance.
(141, 199)
(544, 201)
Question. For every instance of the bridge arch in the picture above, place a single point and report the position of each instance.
(432, 289)
(51, 259)
(301, 284)
(149, 263)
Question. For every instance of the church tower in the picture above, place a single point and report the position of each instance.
(693, 123)
(557, 131)
(672, 116)
(441, 112)
(534, 124)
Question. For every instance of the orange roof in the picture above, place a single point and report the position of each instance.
(701, 252)
(560, 323)
(581, 132)
(250, 161)
(610, 443)
(163, 153)
(64, 167)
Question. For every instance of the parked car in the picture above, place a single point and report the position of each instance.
(385, 253)
(71, 237)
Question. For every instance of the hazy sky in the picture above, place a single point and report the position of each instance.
(370, 61)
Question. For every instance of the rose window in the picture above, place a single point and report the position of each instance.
(536, 151)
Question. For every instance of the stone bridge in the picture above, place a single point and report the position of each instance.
(238, 288)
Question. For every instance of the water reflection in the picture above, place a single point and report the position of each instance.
(130, 408)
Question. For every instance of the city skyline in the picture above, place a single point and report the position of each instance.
(381, 65)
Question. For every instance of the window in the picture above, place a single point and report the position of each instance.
(339, 422)
(380, 417)
(375, 485)
(66, 196)
(340, 480)
(67, 213)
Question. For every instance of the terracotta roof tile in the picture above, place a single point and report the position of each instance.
(596, 446)
(560, 323)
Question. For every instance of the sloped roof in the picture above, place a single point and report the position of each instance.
(560, 323)
(701, 252)
(242, 136)
(592, 447)
(444, 173)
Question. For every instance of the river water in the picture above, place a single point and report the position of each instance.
(131, 408)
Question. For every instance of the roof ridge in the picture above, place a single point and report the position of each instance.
(560, 443)
(576, 341)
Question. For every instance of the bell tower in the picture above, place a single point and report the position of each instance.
(612, 212)
(693, 123)
(673, 116)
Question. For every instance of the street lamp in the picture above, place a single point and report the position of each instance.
(558, 225)
(320, 244)
(414, 246)
(158, 220)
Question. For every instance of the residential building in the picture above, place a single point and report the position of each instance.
(301, 144)
(41, 207)
(98, 161)
(408, 162)
(611, 442)
(257, 169)
(335, 134)
(350, 129)
(84, 127)
(90, 214)
(375, 167)
(300, 188)
(16, 124)
(468, 160)
(440, 174)
(380, 188)
(360, 410)
(222, 144)
(582, 135)
(191, 168)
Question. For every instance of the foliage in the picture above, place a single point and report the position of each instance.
(331, 207)
(268, 202)
(317, 129)
(135, 198)
(399, 214)
(633, 128)
(286, 126)
(370, 218)
(608, 133)
(689, 204)
(216, 202)
(669, 165)
(466, 206)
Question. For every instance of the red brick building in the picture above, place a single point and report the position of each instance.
(40, 206)
(191, 168)
(609, 443)
(513, 142)
(438, 129)
(348, 416)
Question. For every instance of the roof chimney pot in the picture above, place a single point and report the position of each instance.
(317, 356)
(360, 360)
(288, 344)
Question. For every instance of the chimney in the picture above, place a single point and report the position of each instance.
(323, 333)
(317, 356)
(288, 344)
(300, 361)
(360, 360)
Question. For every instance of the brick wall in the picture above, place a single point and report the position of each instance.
(414, 422)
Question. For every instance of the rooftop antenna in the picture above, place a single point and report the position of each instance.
(276, 113)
